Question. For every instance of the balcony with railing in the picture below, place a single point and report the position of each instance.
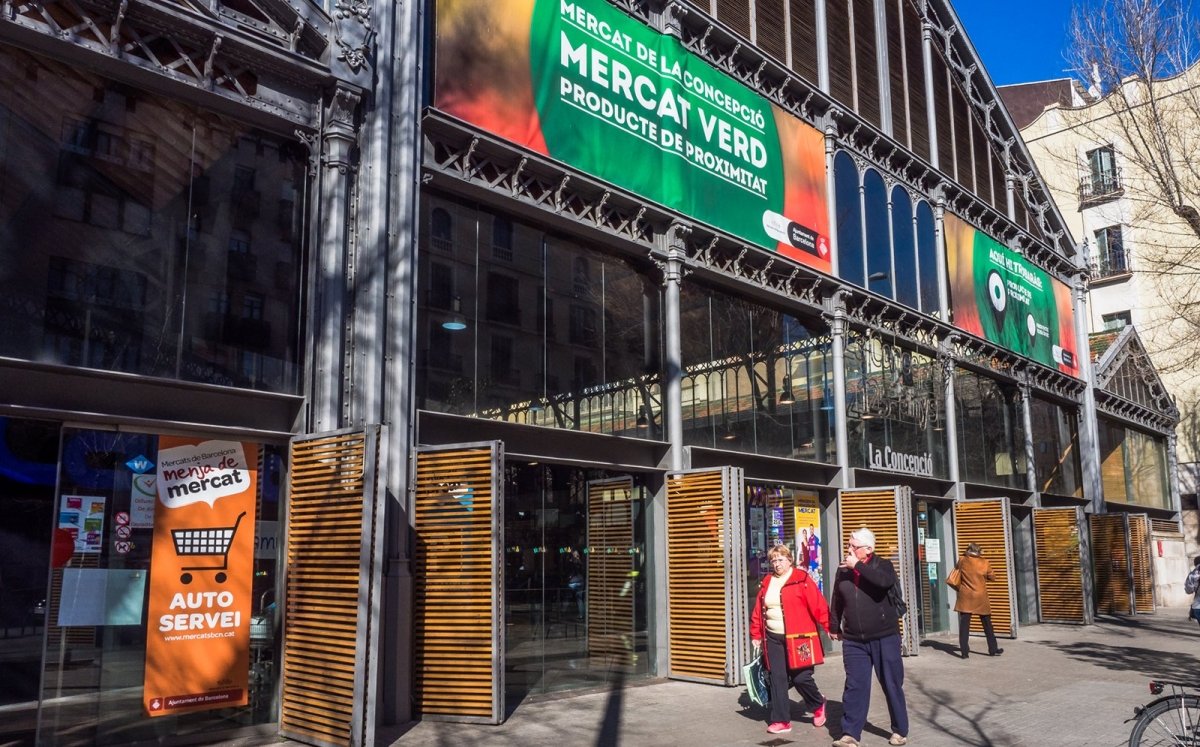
(1100, 186)
(1109, 260)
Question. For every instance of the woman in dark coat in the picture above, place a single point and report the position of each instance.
(975, 571)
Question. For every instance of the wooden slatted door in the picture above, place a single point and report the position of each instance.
(985, 521)
(888, 513)
(334, 560)
(610, 565)
(1058, 554)
(706, 597)
(458, 589)
(1143, 563)
(1110, 564)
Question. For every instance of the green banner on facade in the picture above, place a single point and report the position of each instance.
(999, 295)
(585, 84)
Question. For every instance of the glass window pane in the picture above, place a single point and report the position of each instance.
(903, 249)
(927, 259)
(879, 247)
(848, 199)
(125, 213)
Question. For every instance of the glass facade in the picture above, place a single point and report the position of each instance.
(1133, 466)
(754, 379)
(143, 235)
(566, 609)
(79, 518)
(991, 431)
(1056, 447)
(519, 324)
(896, 416)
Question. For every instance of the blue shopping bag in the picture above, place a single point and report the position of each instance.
(757, 686)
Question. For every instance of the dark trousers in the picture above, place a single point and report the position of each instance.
(964, 632)
(859, 658)
(781, 679)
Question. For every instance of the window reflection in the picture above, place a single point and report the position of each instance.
(1055, 447)
(848, 200)
(894, 407)
(1133, 466)
(755, 379)
(520, 325)
(991, 431)
(927, 260)
(879, 249)
(904, 249)
(143, 235)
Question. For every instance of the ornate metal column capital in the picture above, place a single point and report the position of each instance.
(341, 129)
(354, 35)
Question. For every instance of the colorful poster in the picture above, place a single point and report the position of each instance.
(999, 295)
(583, 83)
(83, 517)
(202, 567)
(808, 535)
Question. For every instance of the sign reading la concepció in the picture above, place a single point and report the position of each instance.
(997, 294)
(581, 82)
(201, 576)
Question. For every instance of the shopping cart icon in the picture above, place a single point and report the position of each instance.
(205, 542)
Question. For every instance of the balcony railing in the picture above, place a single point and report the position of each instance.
(1110, 263)
(1099, 187)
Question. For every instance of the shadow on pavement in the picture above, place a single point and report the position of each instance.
(948, 719)
(1165, 664)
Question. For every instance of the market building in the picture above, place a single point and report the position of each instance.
(517, 332)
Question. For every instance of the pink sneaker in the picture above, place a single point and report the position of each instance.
(780, 727)
(819, 715)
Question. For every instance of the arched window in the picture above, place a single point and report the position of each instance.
(849, 220)
(904, 249)
(441, 229)
(879, 246)
(927, 259)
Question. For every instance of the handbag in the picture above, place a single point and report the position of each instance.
(799, 647)
(757, 685)
(954, 579)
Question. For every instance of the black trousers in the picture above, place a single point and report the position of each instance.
(782, 680)
(964, 632)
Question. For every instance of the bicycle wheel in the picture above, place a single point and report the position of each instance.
(1174, 722)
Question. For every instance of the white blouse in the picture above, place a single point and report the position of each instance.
(773, 606)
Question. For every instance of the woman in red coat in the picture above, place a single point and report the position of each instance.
(787, 613)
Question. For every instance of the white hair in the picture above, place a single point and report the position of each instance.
(864, 537)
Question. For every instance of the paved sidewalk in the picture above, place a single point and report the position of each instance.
(1056, 684)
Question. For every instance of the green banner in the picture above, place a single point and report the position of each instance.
(585, 84)
(999, 295)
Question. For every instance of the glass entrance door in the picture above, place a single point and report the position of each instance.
(574, 589)
(933, 563)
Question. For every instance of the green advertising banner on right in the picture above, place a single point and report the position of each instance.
(998, 295)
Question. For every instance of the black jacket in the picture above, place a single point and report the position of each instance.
(860, 609)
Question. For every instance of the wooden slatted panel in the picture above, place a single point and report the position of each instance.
(914, 86)
(455, 594)
(837, 31)
(1162, 526)
(1059, 570)
(983, 163)
(736, 15)
(866, 64)
(803, 18)
(964, 166)
(610, 564)
(770, 28)
(696, 576)
(876, 510)
(983, 522)
(895, 57)
(324, 550)
(942, 112)
(1143, 564)
(1110, 562)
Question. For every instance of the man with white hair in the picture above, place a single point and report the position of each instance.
(864, 618)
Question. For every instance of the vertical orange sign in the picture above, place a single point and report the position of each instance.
(202, 568)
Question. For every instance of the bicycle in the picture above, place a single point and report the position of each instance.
(1171, 720)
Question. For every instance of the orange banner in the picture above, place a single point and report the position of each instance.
(201, 572)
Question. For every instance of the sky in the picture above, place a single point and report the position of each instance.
(1019, 41)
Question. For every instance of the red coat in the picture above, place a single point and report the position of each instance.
(804, 609)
